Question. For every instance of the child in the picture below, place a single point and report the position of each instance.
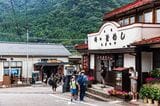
(73, 88)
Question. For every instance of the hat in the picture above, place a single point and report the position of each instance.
(82, 71)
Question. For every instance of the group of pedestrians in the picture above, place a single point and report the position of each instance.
(54, 80)
(78, 86)
(77, 83)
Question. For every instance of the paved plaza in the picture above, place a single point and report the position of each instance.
(40, 95)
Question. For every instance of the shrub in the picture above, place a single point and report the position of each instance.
(151, 91)
(155, 73)
(144, 91)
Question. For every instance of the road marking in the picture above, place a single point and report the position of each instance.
(115, 102)
(65, 99)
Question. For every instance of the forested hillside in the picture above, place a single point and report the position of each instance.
(53, 21)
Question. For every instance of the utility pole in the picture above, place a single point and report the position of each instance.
(27, 58)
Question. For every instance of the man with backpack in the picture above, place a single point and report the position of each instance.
(82, 80)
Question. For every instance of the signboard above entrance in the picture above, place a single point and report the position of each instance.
(112, 36)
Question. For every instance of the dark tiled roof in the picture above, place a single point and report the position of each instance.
(148, 41)
(81, 46)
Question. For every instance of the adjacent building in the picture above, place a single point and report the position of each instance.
(129, 37)
(22, 61)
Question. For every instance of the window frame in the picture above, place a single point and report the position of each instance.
(158, 8)
(148, 11)
(132, 16)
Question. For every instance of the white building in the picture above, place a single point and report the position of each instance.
(129, 37)
(19, 59)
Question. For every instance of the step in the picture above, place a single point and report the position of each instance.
(98, 92)
(97, 97)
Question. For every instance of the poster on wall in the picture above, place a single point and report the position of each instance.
(85, 62)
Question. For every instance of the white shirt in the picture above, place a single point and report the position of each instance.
(134, 74)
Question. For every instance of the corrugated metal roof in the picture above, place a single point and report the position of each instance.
(34, 49)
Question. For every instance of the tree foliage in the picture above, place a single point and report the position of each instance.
(50, 20)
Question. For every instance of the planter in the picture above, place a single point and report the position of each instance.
(149, 101)
(156, 102)
(145, 100)
(128, 98)
(90, 84)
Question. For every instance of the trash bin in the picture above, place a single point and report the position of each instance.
(33, 81)
(66, 81)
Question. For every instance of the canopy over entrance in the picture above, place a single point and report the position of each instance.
(47, 68)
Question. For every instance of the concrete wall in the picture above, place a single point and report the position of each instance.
(31, 62)
(92, 61)
(1, 71)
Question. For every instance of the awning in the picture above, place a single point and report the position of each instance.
(50, 63)
(120, 69)
(119, 50)
(150, 41)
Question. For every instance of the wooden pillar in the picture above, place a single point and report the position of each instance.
(95, 67)
(41, 73)
(139, 68)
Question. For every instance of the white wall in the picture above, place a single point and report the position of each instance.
(92, 61)
(129, 61)
(31, 62)
(64, 59)
(150, 31)
(1, 71)
(147, 61)
(132, 33)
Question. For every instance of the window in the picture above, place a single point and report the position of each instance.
(6, 71)
(44, 60)
(119, 60)
(132, 19)
(120, 22)
(148, 17)
(126, 21)
(140, 18)
(158, 16)
(6, 64)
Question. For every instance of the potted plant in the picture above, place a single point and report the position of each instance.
(144, 93)
(155, 73)
(149, 89)
(157, 97)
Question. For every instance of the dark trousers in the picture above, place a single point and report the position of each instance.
(82, 92)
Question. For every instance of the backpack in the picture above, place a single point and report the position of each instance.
(50, 81)
(82, 80)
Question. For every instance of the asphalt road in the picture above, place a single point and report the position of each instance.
(43, 96)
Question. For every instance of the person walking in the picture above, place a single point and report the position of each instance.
(103, 75)
(54, 82)
(82, 81)
(133, 78)
(74, 86)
